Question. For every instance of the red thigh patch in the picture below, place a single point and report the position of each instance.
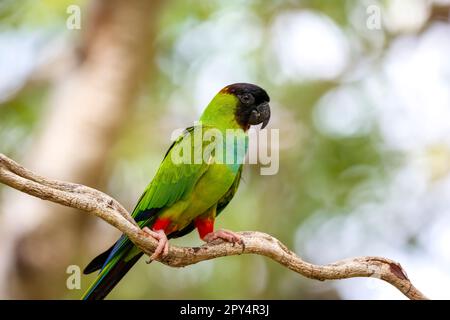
(204, 226)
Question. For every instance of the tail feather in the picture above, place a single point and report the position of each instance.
(110, 275)
(98, 262)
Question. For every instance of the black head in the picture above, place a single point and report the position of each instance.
(253, 107)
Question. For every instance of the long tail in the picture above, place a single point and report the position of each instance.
(113, 264)
(111, 274)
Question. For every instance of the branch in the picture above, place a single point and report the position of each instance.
(105, 207)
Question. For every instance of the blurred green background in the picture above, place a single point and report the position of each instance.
(360, 91)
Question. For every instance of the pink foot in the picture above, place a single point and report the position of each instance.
(225, 235)
(163, 243)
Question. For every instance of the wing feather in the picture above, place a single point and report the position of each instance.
(170, 184)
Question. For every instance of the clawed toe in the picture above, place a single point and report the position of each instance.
(162, 248)
(226, 235)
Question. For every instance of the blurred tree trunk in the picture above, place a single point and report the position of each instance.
(86, 110)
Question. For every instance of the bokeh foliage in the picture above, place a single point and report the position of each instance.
(319, 171)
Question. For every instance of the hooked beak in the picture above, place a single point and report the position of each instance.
(261, 114)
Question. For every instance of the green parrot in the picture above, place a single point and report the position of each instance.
(188, 195)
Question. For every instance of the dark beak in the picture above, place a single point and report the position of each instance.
(261, 114)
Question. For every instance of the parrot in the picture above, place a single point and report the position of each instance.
(189, 195)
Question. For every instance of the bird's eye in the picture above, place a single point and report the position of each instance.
(247, 99)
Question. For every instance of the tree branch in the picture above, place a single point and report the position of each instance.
(101, 205)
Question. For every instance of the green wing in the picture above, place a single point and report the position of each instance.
(170, 184)
(225, 200)
(221, 204)
(172, 181)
